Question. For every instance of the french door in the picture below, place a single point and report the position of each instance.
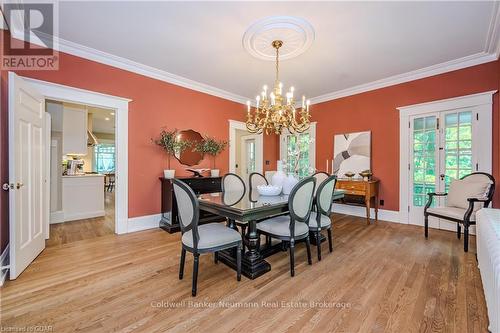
(443, 146)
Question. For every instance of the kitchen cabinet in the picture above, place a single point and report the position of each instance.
(74, 131)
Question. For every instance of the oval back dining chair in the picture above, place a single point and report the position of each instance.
(320, 219)
(255, 179)
(206, 238)
(294, 226)
(320, 177)
(233, 190)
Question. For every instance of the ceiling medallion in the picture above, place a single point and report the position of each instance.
(276, 112)
(296, 34)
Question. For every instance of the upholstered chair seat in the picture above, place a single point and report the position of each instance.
(211, 235)
(324, 221)
(280, 226)
(451, 212)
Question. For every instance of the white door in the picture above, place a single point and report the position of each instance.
(248, 156)
(27, 212)
(444, 146)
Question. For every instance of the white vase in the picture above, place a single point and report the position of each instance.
(278, 178)
(214, 172)
(168, 174)
(289, 183)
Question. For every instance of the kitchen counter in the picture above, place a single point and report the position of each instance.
(82, 196)
(84, 175)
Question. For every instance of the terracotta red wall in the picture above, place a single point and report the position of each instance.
(376, 111)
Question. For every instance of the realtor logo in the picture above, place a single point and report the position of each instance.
(31, 44)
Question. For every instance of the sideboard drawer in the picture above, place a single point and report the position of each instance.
(351, 186)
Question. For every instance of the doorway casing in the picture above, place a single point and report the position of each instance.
(235, 125)
(120, 105)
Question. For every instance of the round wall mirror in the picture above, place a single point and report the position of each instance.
(188, 156)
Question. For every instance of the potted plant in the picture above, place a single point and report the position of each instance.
(212, 147)
(167, 141)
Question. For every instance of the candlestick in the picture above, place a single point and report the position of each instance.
(303, 102)
(308, 103)
(258, 100)
(248, 107)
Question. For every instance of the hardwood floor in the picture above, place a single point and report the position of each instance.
(380, 278)
(68, 232)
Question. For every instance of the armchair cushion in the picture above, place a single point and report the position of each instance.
(452, 212)
(461, 190)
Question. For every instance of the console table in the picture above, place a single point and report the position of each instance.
(200, 185)
(361, 193)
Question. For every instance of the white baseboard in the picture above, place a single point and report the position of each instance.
(4, 261)
(384, 215)
(143, 222)
(56, 217)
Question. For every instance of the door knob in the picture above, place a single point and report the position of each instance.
(19, 185)
(7, 186)
(441, 176)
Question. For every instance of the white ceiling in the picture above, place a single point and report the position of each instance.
(355, 42)
(103, 121)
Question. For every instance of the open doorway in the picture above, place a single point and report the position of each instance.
(82, 171)
(245, 151)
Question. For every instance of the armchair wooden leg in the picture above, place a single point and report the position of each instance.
(183, 260)
(292, 258)
(308, 247)
(195, 273)
(238, 262)
(459, 231)
(466, 238)
(330, 240)
(426, 226)
(318, 244)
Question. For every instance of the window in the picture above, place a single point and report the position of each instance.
(105, 158)
(298, 150)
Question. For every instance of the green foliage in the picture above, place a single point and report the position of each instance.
(167, 140)
(211, 146)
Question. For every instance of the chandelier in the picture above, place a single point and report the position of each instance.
(275, 112)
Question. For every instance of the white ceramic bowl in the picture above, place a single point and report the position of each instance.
(269, 190)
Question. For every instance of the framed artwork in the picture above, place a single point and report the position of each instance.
(352, 152)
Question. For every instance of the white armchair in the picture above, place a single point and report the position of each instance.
(464, 198)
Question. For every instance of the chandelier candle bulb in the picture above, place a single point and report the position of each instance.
(248, 107)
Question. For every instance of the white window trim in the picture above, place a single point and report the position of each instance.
(483, 100)
(70, 94)
(312, 145)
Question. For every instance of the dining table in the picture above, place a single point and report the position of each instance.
(249, 208)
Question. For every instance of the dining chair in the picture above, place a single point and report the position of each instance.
(320, 177)
(320, 219)
(255, 179)
(234, 187)
(464, 198)
(206, 238)
(293, 227)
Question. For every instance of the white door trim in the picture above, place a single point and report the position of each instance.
(69, 94)
(485, 100)
(259, 145)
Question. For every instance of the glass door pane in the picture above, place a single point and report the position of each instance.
(250, 156)
(424, 159)
(457, 146)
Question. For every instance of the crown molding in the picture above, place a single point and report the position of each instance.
(138, 68)
(493, 39)
(468, 61)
